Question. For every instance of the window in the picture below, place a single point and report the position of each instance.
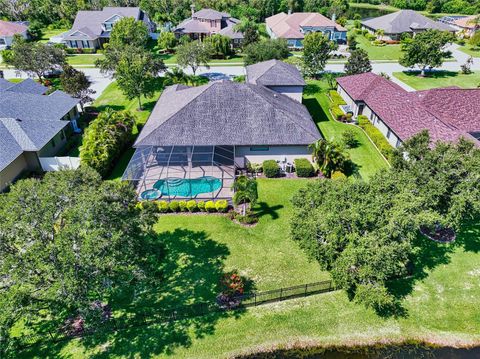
(259, 148)
(108, 26)
(388, 133)
(85, 44)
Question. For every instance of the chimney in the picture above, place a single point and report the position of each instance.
(289, 11)
(192, 7)
(334, 17)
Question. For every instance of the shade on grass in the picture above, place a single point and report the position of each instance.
(365, 156)
(469, 50)
(441, 299)
(83, 59)
(437, 79)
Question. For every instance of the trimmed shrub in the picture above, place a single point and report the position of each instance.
(336, 98)
(348, 139)
(338, 175)
(201, 206)
(303, 167)
(337, 113)
(270, 168)
(210, 206)
(182, 205)
(376, 136)
(162, 206)
(221, 206)
(192, 206)
(174, 206)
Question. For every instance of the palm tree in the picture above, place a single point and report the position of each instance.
(328, 155)
(380, 33)
(176, 76)
(245, 192)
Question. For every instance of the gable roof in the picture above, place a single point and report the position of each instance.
(289, 26)
(227, 113)
(9, 148)
(404, 21)
(26, 86)
(8, 28)
(210, 14)
(403, 112)
(274, 73)
(89, 23)
(5, 84)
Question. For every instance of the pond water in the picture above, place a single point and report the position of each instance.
(366, 13)
(390, 352)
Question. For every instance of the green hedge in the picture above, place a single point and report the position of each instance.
(376, 136)
(303, 167)
(270, 168)
(337, 112)
(162, 206)
(336, 98)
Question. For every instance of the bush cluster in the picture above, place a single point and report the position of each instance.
(270, 168)
(303, 167)
(71, 51)
(349, 139)
(192, 206)
(338, 175)
(336, 98)
(376, 136)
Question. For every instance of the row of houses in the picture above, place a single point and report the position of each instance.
(33, 125)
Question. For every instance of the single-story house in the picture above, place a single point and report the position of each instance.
(207, 22)
(91, 29)
(9, 29)
(401, 22)
(464, 24)
(32, 125)
(447, 113)
(207, 133)
(277, 76)
(294, 26)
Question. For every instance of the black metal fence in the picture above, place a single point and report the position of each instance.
(140, 319)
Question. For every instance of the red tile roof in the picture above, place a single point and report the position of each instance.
(8, 28)
(407, 113)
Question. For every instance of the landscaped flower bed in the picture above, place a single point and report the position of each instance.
(191, 206)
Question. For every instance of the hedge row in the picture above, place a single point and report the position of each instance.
(376, 136)
(303, 167)
(336, 98)
(191, 206)
(270, 168)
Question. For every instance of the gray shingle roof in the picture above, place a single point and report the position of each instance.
(404, 21)
(28, 86)
(90, 22)
(9, 148)
(227, 113)
(210, 14)
(5, 84)
(274, 73)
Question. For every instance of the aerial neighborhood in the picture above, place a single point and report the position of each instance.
(240, 179)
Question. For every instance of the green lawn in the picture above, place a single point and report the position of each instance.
(439, 79)
(171, 59)
(365, 156)
(469, 50)
(47, 34)
(387, 52)
(441, 300)
(83, 59)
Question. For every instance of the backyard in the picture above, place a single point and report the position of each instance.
(383, 53)
(436, 79)
(365, 156)
(440, 300)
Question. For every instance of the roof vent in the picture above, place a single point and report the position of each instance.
(18, 120)
(275, 95)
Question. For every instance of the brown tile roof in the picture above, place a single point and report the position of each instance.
(466, 22)
(406, 113)
(288, 26)
(8, 28)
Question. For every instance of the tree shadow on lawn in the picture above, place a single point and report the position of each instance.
(264, 209)
(191, 274)
(428, 255)
(436, 74)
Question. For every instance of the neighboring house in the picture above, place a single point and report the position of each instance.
(464, 24)
(404, 21)
(208, 133)
(32, 125)
(9, 29)
(294, 27)
(277, 76)
(447, 113)
(207, 22)
(91, 29)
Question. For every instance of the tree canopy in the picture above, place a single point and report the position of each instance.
(194, 54)
(364, 232)
(266, 50)
(358, 62)
(66, 241)
(426, 49)
(77, 84)
(316, 51)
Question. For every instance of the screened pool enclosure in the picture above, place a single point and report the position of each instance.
(182, 172)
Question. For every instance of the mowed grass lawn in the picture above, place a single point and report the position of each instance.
(365, 156)
(469, 50)
(387, 52)
(436, 79)
(441, 300)
(87, 60)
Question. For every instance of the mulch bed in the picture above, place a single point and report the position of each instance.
(442, 235)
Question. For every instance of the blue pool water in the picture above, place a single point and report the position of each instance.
(151, 194)
(184, 187)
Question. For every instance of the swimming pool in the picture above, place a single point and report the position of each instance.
(184, 187)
